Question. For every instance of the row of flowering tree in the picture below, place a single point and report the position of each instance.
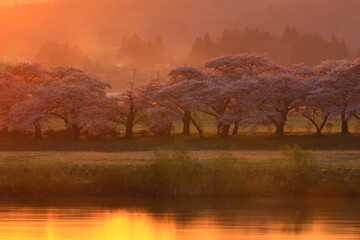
(33, 96)
(248, 90)
(241, 90)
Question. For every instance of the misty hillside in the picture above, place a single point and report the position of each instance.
(100, 24)
(325, 17)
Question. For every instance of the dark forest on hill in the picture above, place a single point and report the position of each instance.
(290, 48)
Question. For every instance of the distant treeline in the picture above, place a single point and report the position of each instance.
(138, 52)
(104, 23)
(134, 51)
(53, 54)
(290, 48)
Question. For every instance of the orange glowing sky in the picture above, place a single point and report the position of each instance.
(11, 2)
(101, 25)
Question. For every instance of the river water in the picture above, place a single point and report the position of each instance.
(193, 219)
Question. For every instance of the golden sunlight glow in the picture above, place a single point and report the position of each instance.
(54, 224)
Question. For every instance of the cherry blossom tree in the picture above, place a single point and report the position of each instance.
(27, 72)
(179, 94)
(215, 98)
(30, 75)
(273, 99)
(131, 105)
(9, 94)
(161, 120)
(29, 112)
(339, 86)
(20, 81)
(226, 86)
(314, 108)
(75, 96)
(234, 65)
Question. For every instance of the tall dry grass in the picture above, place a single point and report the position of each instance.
(176, 172)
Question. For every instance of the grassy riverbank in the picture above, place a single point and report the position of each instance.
(234, 143)
(290, 172)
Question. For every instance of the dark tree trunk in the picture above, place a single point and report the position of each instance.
(168, 132)
(225, 129)
(37, 130)
(129, 127)
(318, 127)
(186, 123)
(318, 131)
(75, 132)
(280, 130)
(322, 125)
(344, 125)
(198, 128)
(235, 129)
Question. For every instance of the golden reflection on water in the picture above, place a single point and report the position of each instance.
(91, 223)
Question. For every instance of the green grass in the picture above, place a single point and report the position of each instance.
(292, 172)
(296, 122)
(233, 143)
(253, 157)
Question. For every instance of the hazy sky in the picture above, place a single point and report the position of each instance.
(95, 25)
(9, 2)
